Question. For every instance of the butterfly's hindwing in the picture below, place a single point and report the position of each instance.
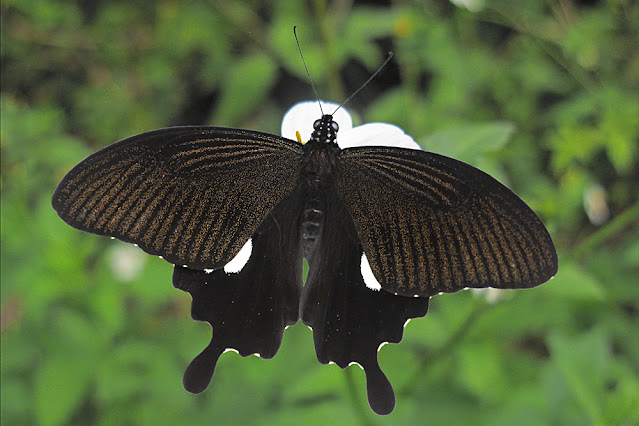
(193, 195)
(249, 310)
(432, 224)
(349, 320)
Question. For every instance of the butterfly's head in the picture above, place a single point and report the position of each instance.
(325, 129)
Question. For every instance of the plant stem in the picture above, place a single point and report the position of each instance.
(356, 402)
(447, 347)
(613, 227)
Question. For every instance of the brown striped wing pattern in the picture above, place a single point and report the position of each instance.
(431, 224)
(193, 195)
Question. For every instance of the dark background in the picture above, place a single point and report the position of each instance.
(541, 94)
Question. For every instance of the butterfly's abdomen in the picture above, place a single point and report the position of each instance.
(311, 225)
(318, 178)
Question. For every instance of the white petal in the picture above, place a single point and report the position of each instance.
(369, 279)
(237, 263)
(302, 115)
(375, 134)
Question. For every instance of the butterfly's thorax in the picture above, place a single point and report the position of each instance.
(317, 180)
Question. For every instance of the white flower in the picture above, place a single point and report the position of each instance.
(301, 116)
(126, 261)
(596, 204)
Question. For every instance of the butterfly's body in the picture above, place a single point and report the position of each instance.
(376, 224)
(320, 158)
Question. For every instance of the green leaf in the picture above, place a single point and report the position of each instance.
(480, 370)
(622, 403)
(125, 371)
(394, 106)
(61, 384)
(15, 400)
(574, 282)
(318, 384)
(185, 27)
(467, 143)
(76, 329)
(313, 413)
(631, 254)
(582, 361)
(523, 406)
(587, 36)
(247, 82)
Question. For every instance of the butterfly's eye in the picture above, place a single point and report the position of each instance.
(317, 124)
(334, 126)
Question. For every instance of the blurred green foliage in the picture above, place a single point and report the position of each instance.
(542, 94)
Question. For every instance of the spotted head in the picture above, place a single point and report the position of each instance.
(325, 129)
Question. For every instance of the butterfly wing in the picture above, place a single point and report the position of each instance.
(349, 320)
(193, 195)
(249, 310)
(432, 224)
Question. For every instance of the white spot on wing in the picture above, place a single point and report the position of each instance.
(369, 279)
(208, 271)
(237, 263)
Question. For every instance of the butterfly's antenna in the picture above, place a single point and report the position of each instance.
(306, 68)
(390, 56)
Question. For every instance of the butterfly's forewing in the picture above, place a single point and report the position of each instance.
(431, 224)
(249, 310)
(349, 320)
(193, 195)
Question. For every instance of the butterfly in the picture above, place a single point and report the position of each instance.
(383, 229)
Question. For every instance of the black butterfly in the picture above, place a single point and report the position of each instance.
(237, 211)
